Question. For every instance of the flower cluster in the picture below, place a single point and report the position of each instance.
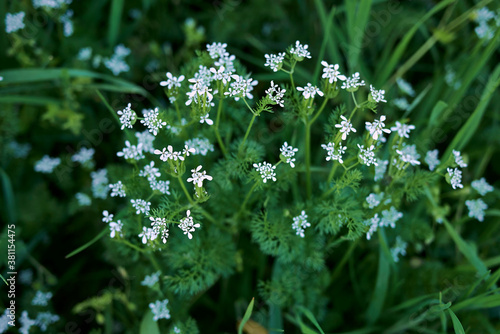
(300, 224)
(115, 228)
(14, 22)
(160, 310)
(333, 153)
(187, 225)
(47, 164)
(127, 117)
(288, 153)
(274, 61)
(100, 183)
(276, 94)
(152, 121)
(266, 170)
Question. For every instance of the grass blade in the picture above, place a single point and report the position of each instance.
(148, 325)
(380, 291)
(326, 38)
(246, 317)
(115, 17)
(8, 194)
(88, 244)
(311, 318)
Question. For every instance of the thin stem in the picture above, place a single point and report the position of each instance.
(247, 197)
(183, 186)
(319, 111)
(217, 134)
(178, 112)
(248, 131)
(308, 160)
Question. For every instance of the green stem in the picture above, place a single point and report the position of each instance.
(319, 111)
(308, 160)
(178, 112)
(217, 134)
(183, 186)
(247, 197)
(131, 245)
(248, 131)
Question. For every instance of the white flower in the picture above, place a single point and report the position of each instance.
(377, 95)
(147, 234)
(19, 150)
(200, 145)
(45, 319)
(431, 159)
(241, 87)
(159, 225)
(401, 103)
(408, 154)
(331, 72)
(151, 280)
(83, 199)
(198, 177)
(41, 299)
(127, 117)
(458, 159)
(152, 121)
(141, 206)
(300, 223)
(274, 61)
(455, 177)
(26, 323)
(374, 200)
(483, 15)
(221, 75)
(405, 87)
(100, 183)
(351, 84)
(399, 249)
(380, 169)
(107, 217)
(200, 92)
(84, 155)
(115, 229)
(131, 151)
(146, 140)
(160, 310)
(266, 171)
(345, 127)
(476, 208)
(117, 189)
(187, 225)
(166, 154)
(116, 64)
(373, 223)
(332, 153)
(389, 217)
(310, 91)
(14, 22)
(300, 51)
(150, 172)
(276, 94)
(217, 50)
(367, 155)
(289, 152)
(161, 186)
(377, 127)
(481, 186)
(172, 82)
(403, 129)
(50, 3)
(47, 164)
(206, 119)
(67, 23)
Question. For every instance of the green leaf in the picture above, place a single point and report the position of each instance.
(436, 113)
(380, 291)
(148, 325)
(311, 318)
(88, 244)
(358, 14)
(8, 195)
(115, 17)
(246, 317)
(457, 326)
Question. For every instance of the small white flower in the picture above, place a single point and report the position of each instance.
(390, 217)
(141, 206)
(377, 95)
(100, 183)
(161, 186)
(47, 164)
(26, 323)
(221, 75)
(115, 229)
(310, 91)
(131, 151)
(401, 103)
(399, 249)
(127, 117)
(266, 171)
(276, 94)
(481, 186)
(476, 208)
(345, 127)
(152, 122)
(117, 189)
(147, 234)
(198, 177)
(14, 22)
(83, 199)
(241, 87)
(289, 152)
(172, 82)
(151, 280)
(374, 200)
(332, 153)
(455, 177)
(380, 169)
(84, 54)
(159, 225)
(200, 146)
(300, 224)
(166, 153)
(206, 119)
(367, 155)
(351, 84)
(377, 127)
(458, 159)
(146, 140)
(116, 64)
(403, 129)
(107, 217)
(331, 72)
(405, 87)
(187, 225)
(45, 319)
(274, 61)
(408, 154)
(217, 50)
(300, 51)
(41, 299)
(160, 310)
(150, 172)
(431, 159)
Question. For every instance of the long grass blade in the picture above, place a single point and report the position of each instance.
(88, 244)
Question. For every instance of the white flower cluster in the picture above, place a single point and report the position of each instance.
(274, 61)
(51, 3)
(116, 63)
(133, 152)
(127, 117)
(84, 156)
(405, 87)
(160, 310)
(300, 224)
(345, 127)
(241, 87)
(47, 164)
(455, 177)
(377, 95)
(476, 208)
(431, 159)
(300, 51)
(168, 153)
(458, 159)
(19, 150)
(145, 139)
(374, 200)
(187, 225)
(488, 23)
(172, 82)
(353, 83)
(141, 206)
(276, 94)
(388, 219)
(198, 177)
(266, 170)
(332, 73)
(117, 189)
(83, 199)
(217, 50)
(41, 299)
(399, 249)
(367, 155)
(45, 319)
(100, 183)
(380, 169)
(151, 280)
(26, 323)
(289, 152)
(377, 127)
(407, 155)
(200, 145)
(403, 130)
(14, 22)
(152, 121)
(310, 91)
(481, 186)
(115, 228)
(333, 153)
